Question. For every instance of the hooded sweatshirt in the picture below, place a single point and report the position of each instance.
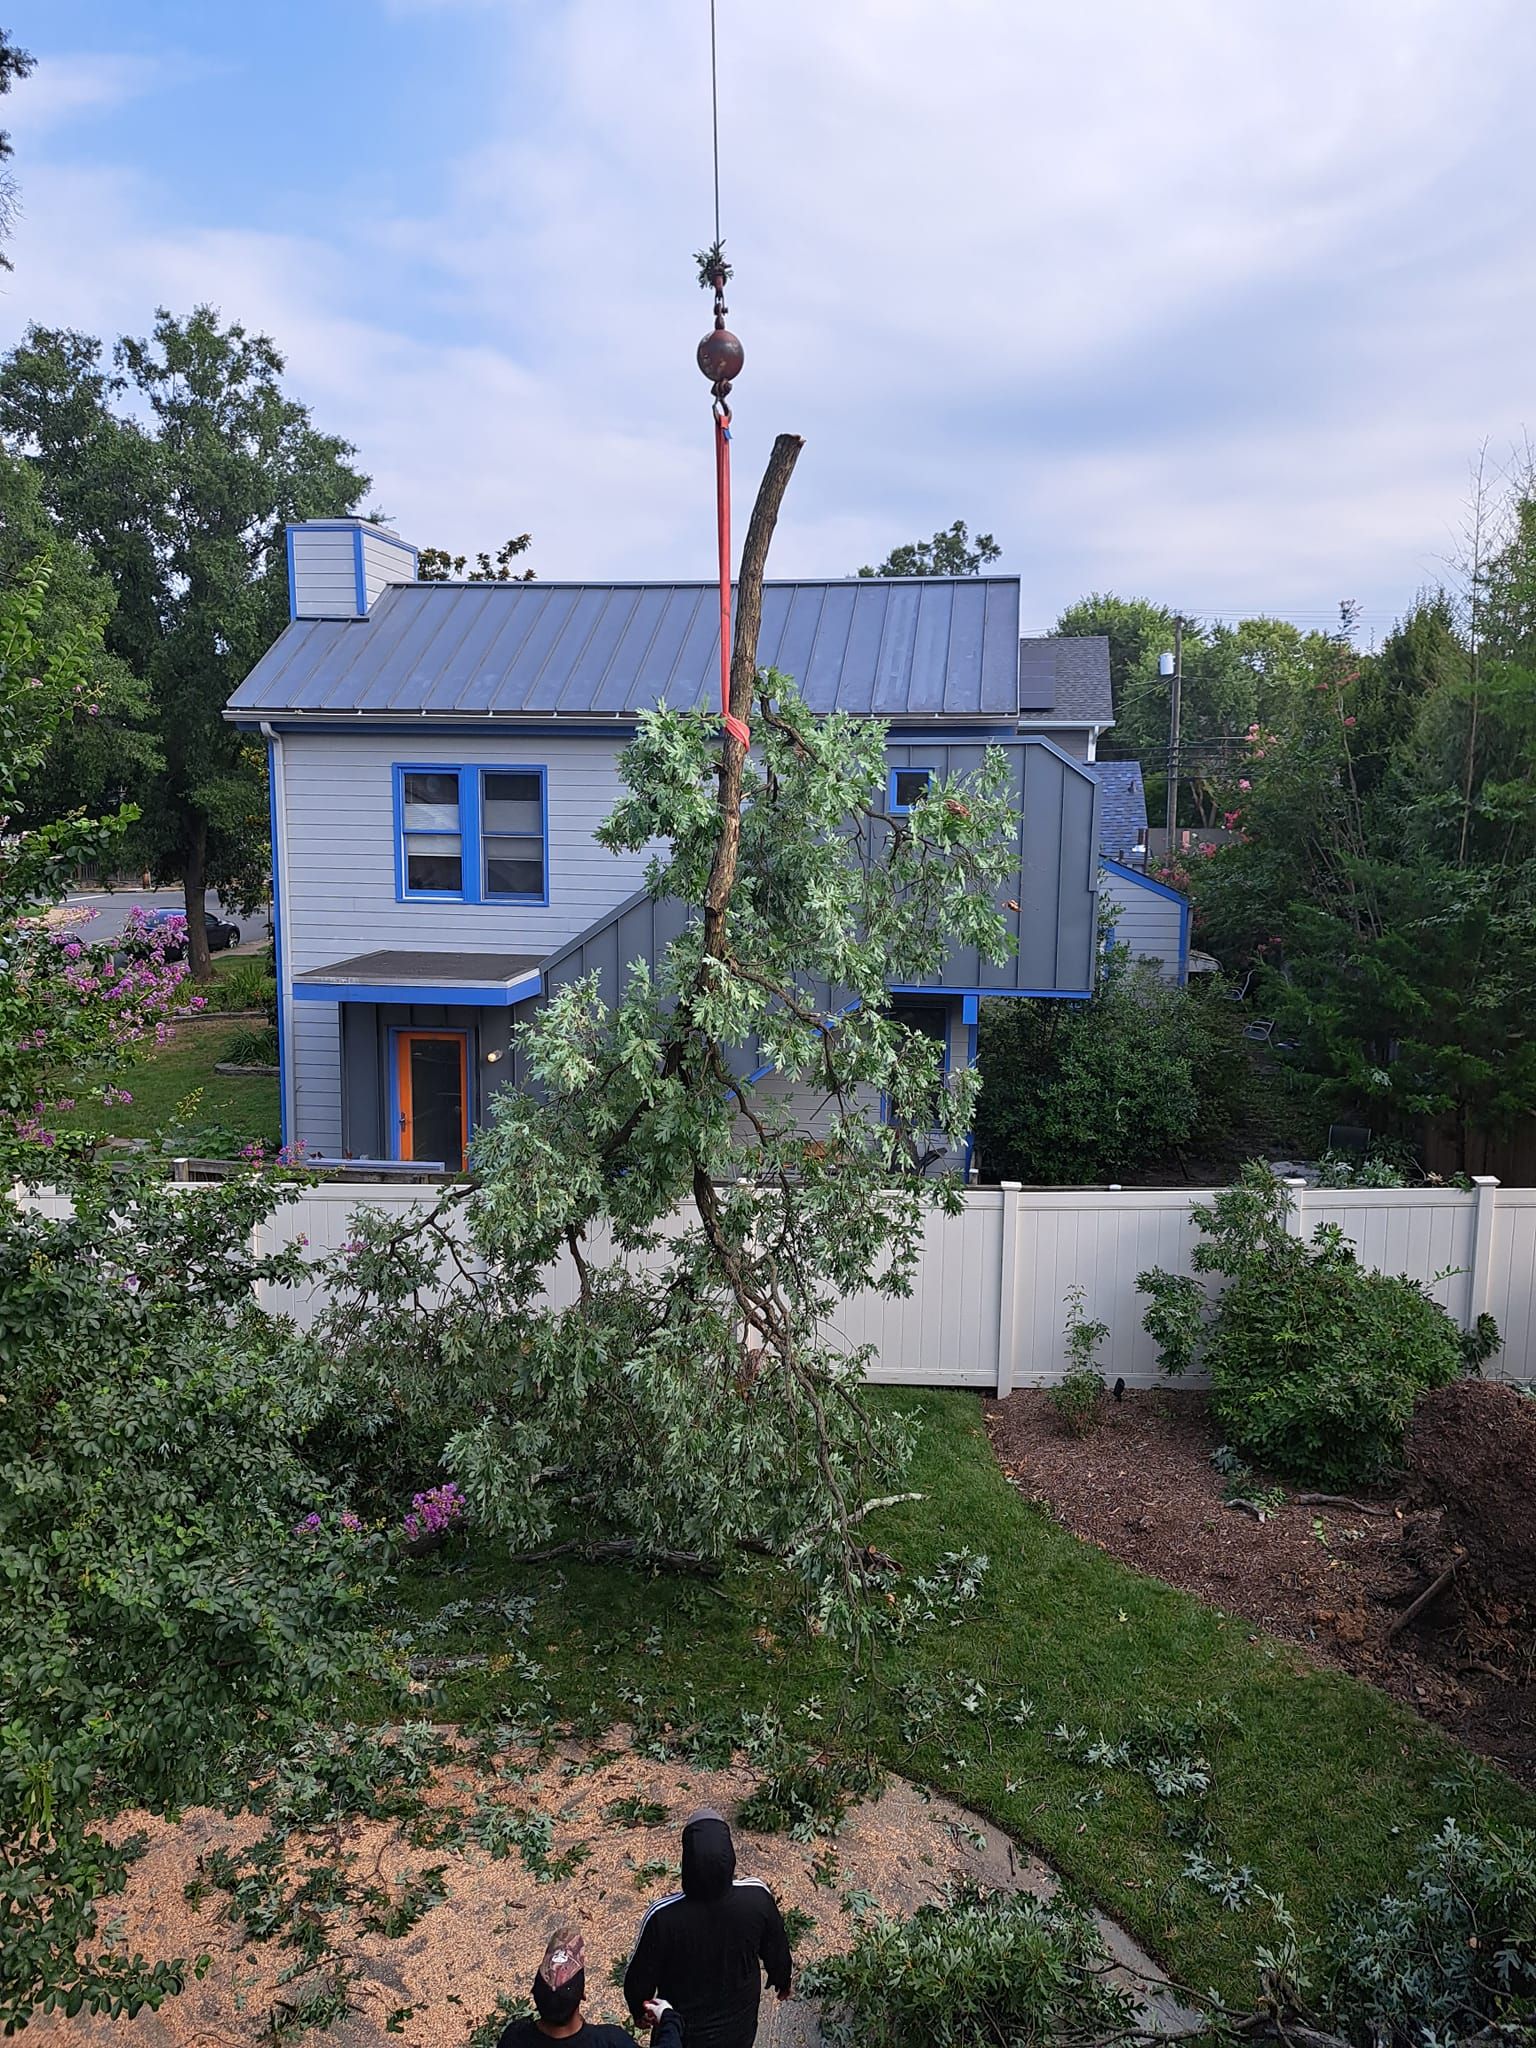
(706, 1947)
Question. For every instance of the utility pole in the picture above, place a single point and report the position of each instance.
(1175, 692)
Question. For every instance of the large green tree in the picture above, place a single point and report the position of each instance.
(721, 1155)
(951, 552)
(177, 469)
(1385, 876)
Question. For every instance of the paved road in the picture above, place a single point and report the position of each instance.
(112, 907)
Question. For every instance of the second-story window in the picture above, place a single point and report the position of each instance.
(473, 834)
(432, 841)
(512, 834)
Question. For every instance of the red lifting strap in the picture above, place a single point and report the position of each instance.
(733, 726)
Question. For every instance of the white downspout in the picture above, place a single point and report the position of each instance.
(274, 740)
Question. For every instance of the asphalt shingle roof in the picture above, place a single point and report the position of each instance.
(1122, 807)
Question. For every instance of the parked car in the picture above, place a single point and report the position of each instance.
(172, 925)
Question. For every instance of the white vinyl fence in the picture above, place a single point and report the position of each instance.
(987, 1306)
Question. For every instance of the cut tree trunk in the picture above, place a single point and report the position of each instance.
(749, 617)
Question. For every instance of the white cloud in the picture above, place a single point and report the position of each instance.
(69, 86)
(1204, 300)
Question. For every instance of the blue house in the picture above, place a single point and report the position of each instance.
(440, 754)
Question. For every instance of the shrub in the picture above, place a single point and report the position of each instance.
(1315, 1362)
(1451, 1958)
(1088, 1091)
(248, 984)
(1078, 1396)
(253, 1048)
(976, 1966)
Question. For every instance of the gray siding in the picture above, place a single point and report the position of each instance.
(385, 561)
(324, 574)
(314, 1056)
(1055, 884)
(1145, 921)
(339, 883)
(341, 846)
(1073, 740)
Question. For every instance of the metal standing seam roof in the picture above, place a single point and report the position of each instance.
(899, 647)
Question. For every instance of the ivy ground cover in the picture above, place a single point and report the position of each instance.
(1171, 1764)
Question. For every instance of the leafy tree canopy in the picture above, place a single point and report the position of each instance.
(1385, 866)
(690, 1395)
(951, 552)
(436, 565)
(14, 64)
(177, 469)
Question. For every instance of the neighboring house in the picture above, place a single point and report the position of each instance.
(1147, 916)
(441, 753)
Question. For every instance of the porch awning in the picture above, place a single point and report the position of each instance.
(476, 980)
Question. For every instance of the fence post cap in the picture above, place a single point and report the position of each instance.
(1011, 1187)
(1484, 1180)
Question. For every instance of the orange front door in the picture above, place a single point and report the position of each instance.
(432, 1096)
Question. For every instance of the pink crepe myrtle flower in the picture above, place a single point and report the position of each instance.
(1245, 785)
(433, 1513)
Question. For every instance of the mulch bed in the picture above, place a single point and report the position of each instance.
(428, 1986)
(1334, 1580)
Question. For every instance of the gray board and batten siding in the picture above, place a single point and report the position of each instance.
(924, 647)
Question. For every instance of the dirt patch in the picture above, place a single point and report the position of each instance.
(1472, 1447)
(440, 1979)
(1335, 1580)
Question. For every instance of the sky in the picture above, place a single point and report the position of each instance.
(1210, 301)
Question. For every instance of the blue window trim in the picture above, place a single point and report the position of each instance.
(540, 901)
(470, 776)
(361, 581)
(895, 809)
(465, 835)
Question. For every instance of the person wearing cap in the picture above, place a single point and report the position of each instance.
(559, 1986)
(705, 1948)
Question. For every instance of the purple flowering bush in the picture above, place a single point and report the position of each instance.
(434, 1513)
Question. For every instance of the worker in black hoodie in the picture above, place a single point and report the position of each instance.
(706, 1947)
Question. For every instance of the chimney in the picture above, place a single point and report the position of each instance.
(337, 568)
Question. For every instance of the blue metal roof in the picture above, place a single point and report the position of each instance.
(901, 647)
(1122, 807)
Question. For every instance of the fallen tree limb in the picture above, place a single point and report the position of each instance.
(887, 1500)
(1432, 1591)
(1336, 1500)
(621, 1548)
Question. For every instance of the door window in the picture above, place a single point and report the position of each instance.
(432, 1096)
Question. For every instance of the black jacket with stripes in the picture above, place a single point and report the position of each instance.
(706, 1947)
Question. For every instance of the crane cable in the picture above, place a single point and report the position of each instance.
(720, 358)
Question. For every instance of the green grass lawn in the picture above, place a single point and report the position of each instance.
(1322, 1785)
(164, 1076)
